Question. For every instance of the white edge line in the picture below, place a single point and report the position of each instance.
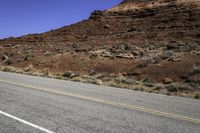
(26, 122)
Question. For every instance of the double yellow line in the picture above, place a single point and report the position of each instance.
(107, 102)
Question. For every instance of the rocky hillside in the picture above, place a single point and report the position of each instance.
(137, 42)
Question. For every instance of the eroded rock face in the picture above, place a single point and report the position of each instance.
(136, 1)
(133, 5)
(146, 1)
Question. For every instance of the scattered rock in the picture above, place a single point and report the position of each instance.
(93, 55)
(115, 50)
(70, 74)
(66, 74)
(127, 56)
(80, 50)
(167, 54)
(47, 53)
(188, 47)
(74, 75)
(134, 73)
(5, 57)
(74, 45)
(176, 59)
(96, 14)
(171, 47)
(29, 68)
(145, 61)
(107, 26)
(167, 81)
(7, 45)
(158, 65)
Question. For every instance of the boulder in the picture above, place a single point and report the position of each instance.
(167, 80)
(167, 54)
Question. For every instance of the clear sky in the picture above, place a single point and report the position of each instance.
(20, 17)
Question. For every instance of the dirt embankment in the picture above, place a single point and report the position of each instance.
(151, 45)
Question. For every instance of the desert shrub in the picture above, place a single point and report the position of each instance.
(28, 55)
(7, 69)
(8, 61)
(197, 96)
(103, 47)
(117, 85)
(178, 87)
(66, 74)
(94, 81)
(139, 88)
(188, 47)
(45, 72)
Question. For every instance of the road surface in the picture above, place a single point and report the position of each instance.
(42, 105)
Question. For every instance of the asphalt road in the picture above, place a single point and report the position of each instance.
(37, 104)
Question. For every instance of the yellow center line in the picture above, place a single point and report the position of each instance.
(108, 102)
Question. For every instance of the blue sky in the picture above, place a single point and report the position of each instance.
(20, 17)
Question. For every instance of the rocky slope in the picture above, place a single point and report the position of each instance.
(155, 43)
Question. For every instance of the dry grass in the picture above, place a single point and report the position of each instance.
(197, 95)
(174, 89)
